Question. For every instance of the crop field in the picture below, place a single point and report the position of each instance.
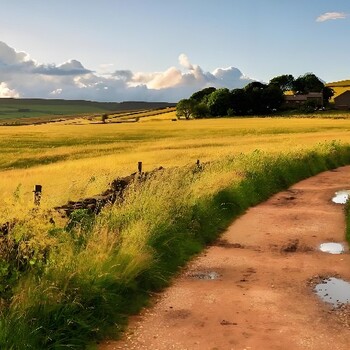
(64, 158)
(92, 271)
(29, 111)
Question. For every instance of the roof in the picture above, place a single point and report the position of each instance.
(303, 97)
(343, 94)
(340, 83)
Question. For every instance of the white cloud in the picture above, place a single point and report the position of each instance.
(56, 92)
(106, 68)
(331, 16)
(184, 61)
(21, 76)
(9, 56)
(6, 92)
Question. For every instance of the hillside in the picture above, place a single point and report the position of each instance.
(26, 111)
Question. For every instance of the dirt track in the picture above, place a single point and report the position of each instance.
(263, 297)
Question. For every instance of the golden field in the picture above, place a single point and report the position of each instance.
(77, 160)
(65, 283)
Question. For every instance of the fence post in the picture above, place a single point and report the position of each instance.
(37, 194)
(139, 167)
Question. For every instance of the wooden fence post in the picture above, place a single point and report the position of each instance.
(139, 167)
(37, 194)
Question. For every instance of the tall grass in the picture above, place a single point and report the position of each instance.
(347, 217)
(62, 287)
(72, 161)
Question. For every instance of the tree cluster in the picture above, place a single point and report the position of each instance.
(254, 99)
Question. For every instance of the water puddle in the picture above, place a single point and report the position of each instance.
(334, 291)
(332, 248)
(341, 197)
(206, 275)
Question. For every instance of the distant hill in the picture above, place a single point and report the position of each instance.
(24, 111)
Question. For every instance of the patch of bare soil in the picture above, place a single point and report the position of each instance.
(267, 264)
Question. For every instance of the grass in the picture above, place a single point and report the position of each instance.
(73, 161)
(80, 281)
(27, 111)
(65, 284)
(347, 216)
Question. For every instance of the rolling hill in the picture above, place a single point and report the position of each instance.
(28, 111)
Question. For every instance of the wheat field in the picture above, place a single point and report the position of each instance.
(90, 271)
(72, 161)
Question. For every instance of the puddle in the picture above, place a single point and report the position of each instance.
(211, 275)
(332, 248)
(334, 291)
(341, 197)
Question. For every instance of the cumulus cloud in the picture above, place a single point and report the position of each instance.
(6, 92)
(185, 62)
(125, 75)
(331, 16)
(9, 56)
(194, 78)
(21, 76)
(71, 67)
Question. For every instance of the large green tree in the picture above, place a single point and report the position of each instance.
(185, 108)
(219, 102)
(255, 96)
(309, 82)
(284, 82)
(273, 97)
(240, 102)
(199, 96)
(306, 83)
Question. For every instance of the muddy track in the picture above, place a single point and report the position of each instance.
(253, 289)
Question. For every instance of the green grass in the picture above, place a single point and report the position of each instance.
(29, 146)
(22, 111)
(347, 215)
(71, 285)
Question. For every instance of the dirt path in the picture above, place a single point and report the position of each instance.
(262, 298)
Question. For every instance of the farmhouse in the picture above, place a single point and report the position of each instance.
(299, 100)
(343, 100)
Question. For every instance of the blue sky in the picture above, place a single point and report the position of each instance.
(246, 39)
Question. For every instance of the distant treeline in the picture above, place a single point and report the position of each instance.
(254, 99)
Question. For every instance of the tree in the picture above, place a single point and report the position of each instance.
(254, 94)
(201, 110)
(219, 102)
(239, 100)
(199, 95)
(307, 83)
(273, 97)
(284, 82)
(255, 85)
(327, 94)
(263, 98)
(104, 118)
(185, 108)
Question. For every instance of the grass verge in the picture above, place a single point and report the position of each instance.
(347, 218)
(62, 287)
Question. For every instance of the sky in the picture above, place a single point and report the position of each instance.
(162, 50)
